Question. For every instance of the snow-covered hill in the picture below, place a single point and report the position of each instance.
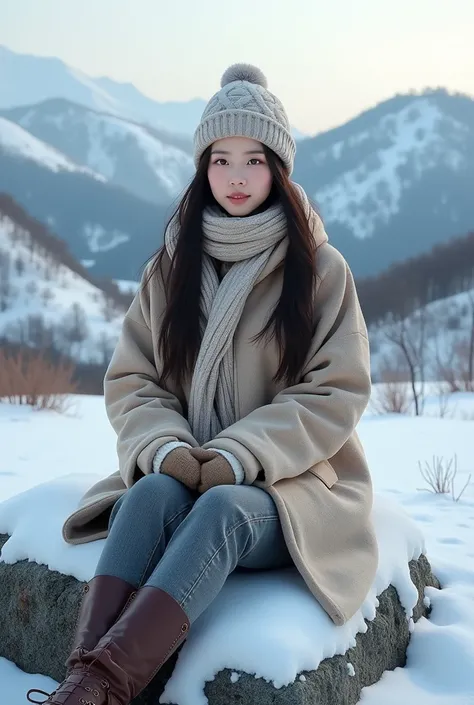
(105, 226)
(18, 142)
(44, 302)
(422, 138)
(151, 164)
(396, 180)
(437, 338)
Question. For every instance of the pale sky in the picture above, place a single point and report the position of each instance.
(327, 60)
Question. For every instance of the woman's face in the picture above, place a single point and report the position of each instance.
(238, 173)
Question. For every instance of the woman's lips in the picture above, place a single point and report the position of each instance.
(238, 198)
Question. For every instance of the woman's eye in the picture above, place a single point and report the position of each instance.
(255, 161)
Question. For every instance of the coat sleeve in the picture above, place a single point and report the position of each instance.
(310, 421)
(144, 415)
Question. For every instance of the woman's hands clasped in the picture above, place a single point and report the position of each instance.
(215, 469)
(198, 468)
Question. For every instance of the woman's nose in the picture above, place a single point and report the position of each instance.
(237, 181)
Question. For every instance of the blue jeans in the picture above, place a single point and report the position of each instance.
(164, 535)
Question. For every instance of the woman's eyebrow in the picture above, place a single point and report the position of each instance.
(250, 151)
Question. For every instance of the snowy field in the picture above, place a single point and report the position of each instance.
(50, 460)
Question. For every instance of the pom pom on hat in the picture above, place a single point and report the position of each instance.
(244, 72)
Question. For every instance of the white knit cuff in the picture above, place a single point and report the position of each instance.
(235, 464)
(163, 451)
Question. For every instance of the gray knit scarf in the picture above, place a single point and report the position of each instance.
(248, 242)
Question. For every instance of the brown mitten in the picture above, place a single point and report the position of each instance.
(217, 471)
(203, 454)
(180, 464)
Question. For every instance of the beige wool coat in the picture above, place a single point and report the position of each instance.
(297, 443)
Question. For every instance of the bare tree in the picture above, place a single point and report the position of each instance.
(443, 396)
(109, 309)
(19, 266)
(470, 359)
(106, 347)
(5, 280)
(74, 328)
(455, 363)
(409, 336)
(39, 334)
(47, 296)
(31, 288)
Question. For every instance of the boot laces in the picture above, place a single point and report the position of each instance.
(87, 688)
(41, 692)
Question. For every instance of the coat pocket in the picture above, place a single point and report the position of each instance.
(324, 472)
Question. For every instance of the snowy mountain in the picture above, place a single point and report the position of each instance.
(396, 180)
(107, 228)
(390, 184)
(46, 298)
(18, 142)
(26, 80)
(151, 164)
(175, 116)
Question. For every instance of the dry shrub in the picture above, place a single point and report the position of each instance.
(393, 395)
(440, 476)
(29, 377)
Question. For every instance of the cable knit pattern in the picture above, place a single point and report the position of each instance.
(163, 451)
(245, 107)
(248, 243)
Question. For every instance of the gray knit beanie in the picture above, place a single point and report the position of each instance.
(245, 108)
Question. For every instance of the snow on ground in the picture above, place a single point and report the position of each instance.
(64, 455)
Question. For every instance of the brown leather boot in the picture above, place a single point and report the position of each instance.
(77, 689)
(104, 599)
(129, 655)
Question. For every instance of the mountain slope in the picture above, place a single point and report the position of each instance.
(18, 142)
(151, 164)
(396, 180)
(26, 79)
(47, 299)
(106, 227)
(169, 114)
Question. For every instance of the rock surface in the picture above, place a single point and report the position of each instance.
(39, 607)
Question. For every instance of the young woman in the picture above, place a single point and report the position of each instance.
(240, 375)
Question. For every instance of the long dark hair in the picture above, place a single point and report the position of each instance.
(291, 321)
